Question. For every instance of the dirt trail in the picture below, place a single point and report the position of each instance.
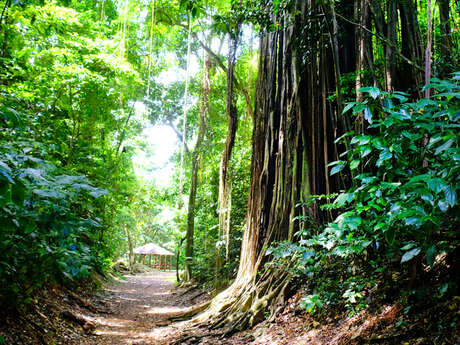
(138, 311)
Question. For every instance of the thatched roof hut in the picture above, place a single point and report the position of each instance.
(151, 248)
(159, 256)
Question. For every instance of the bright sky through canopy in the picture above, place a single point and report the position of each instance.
(153, 163)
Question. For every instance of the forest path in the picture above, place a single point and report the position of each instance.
(139, 309)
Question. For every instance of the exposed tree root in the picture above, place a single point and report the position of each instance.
(196, 337)
(191, 288)
(83, 302)
(190, 312)
(244, 304)
(83, 321)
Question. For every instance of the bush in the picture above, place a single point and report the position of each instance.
(45, 222)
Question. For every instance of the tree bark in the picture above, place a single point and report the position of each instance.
(289, 131)
(205, 89)
(411, 47)
(225, 191)
(130, 246)
(390, 63)
(446, 40)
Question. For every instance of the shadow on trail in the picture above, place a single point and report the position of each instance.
(139, 311)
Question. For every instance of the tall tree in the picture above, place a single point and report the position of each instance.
(204, 113)
(289, 132)
(225, 183)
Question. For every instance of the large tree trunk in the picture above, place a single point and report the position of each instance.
(205, 89)
(390, 70)
(289, 135)
(411, 47)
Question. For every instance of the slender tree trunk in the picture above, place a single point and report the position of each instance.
(428, 50)
(361, 64)
(130, 246)
(5, 15)
(446, 40)
(205, 89)
(390, 63)
(232, 125)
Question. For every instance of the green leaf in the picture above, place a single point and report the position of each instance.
(359, 108)
(43, 193)
(410, 255)
(436, 184)
(99, 192)
(373, 91)
(6, 176)
(401, 98)
(444, 146)
(380, 225)
(443, 206)
(368, 115)
(354, 164)
(413, 221)
(348, 107)
(337, 168)
(341, 199)
(431, 255)
(408, 246)
(390, 235)
(451, 195)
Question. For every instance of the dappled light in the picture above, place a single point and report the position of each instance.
(275, 172)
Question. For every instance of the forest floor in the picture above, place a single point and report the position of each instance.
(138, 310)
(135, 310)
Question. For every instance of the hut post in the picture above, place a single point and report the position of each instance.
(150, 260)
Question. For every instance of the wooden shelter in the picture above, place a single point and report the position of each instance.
(162, 258)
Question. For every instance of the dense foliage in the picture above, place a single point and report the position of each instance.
(299, 155)
(403, 209)
(64, 117)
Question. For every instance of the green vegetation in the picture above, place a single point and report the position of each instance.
(402, 208)
(297, 165)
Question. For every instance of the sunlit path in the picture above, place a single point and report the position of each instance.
(139, 309)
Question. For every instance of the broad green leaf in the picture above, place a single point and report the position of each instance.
(341, 200)
(43, 193)
(443, 206)
(337, 168)
(390, 235)
(410, 255)
(6, 176)
(436, 184)
(354, 164)
(413, 221)
(451, 195)
(408, 246)
(368, 115)
(444, 146)
(373, 91)
(348, 107)
(98, 193)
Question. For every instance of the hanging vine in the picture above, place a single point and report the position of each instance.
(184, 115)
